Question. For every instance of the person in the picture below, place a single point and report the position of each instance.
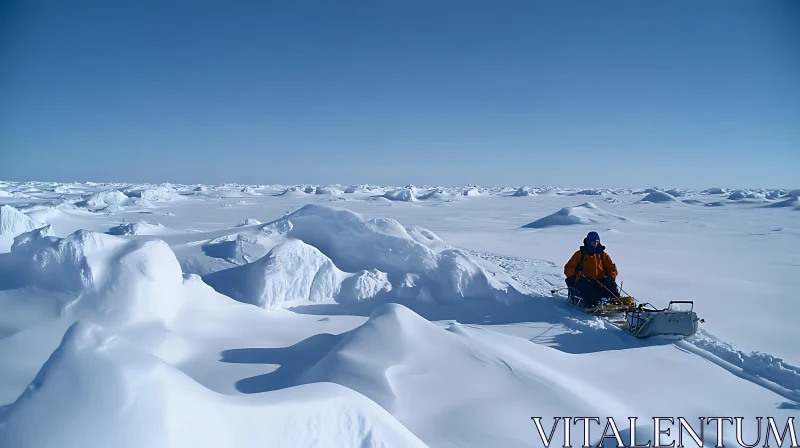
(592, 272)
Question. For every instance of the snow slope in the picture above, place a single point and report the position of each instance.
(98, 390)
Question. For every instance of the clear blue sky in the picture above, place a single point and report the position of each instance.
(572, 93)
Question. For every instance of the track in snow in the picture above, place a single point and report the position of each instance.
(760, 368)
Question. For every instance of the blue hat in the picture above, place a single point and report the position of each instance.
(592, 236)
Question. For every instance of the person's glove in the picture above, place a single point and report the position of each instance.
(578, 268)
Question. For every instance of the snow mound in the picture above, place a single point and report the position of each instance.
(790, 202)
(104, 199)
(13, 222)
(364, 285)
(250, 190)
(592, 192)
(297, 191)
(743, 194)
(471, 192)
(715, 191)
(676, 193)
(396, 351)
(524, 191)
(160, 194)
(613, 200)
(586, 213)
(249, 222)
(138, 228)
(658, 197)
(290, 272)
(370, 189)
(401, 194)
(354, 242)
(5, 194)
(113, 280)
(792, 194)
(408, 257)
(436, 194)
(239, 248)
(329, 190)
(97, 390)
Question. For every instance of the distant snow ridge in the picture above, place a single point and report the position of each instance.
(792, 194)
(104, 199)
(593, 192)
(334, 254)
(112, 280)
(294, 191)
(160, 194)
(329, 190)
(586, 213)
(715, 191)
(372, 189)
(97, 390)
(472, 191)
(525, 191)
(402, 194)
(658, 197)
(786, 203)
(676, 193)
(743, 194)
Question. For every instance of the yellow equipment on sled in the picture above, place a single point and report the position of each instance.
(639, 319)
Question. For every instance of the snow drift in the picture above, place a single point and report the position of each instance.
(160, 194)
(104, 199)
(658, 197)
(98, 390)
(401, 194)
(290, 272)
(587, 213)
(334, 254)
(329, 191)
(524, 191)
(105, 279)
(786, 203)
(13, 222)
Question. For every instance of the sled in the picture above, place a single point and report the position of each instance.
(640, 320)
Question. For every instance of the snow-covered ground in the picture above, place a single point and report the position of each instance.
(362, 315)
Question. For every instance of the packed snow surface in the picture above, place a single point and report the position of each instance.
(326, 315)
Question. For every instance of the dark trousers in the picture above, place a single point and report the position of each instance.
(592, 291)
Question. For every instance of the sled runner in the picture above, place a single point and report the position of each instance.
(639, 319)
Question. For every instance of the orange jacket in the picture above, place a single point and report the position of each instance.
(593, 265)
